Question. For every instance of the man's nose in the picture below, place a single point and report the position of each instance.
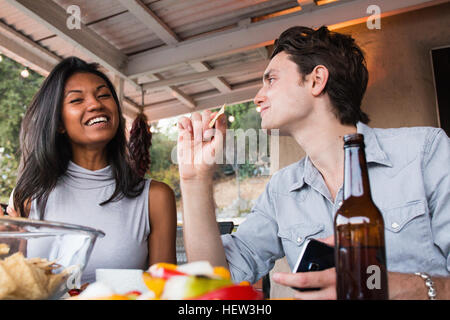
(260, 97)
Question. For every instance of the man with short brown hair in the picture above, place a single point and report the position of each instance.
(312, 90)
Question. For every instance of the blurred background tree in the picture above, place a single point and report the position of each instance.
(161, 167)
(16, 93)
(244, 116)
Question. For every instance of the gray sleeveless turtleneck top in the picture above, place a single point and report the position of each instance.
(76, 200)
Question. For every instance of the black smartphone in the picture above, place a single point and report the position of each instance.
(315, 256)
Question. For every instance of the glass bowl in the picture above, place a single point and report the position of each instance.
(42, 259)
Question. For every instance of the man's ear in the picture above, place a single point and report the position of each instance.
(319, 79)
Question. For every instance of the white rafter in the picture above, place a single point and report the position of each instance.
(217, 82)
(151, 20)
(177, 93)
(24, 50)
(244, 68)
(54, 17)
(162, 31)
(260, 33)
(240, 94)
(304, 4)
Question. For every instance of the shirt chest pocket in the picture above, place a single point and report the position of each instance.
(399, 218)
(407, 236)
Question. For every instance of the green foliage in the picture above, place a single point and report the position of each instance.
(16, 93)
(160, 152)
(170, 176)
(161, 167)
(245, 117)
(247, 170)
(8, 175)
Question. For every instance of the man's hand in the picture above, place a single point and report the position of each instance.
(325, 280)
(401, 286)
(198, 145)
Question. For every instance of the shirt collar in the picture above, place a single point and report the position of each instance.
(374, 153)
(300, 179)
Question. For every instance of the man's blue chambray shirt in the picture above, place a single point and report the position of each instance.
(410, 184)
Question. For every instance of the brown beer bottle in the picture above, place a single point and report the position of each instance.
(359, 232)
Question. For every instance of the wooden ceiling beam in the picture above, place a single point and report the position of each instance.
(55, 18)
(261, 33)
(22, 49)
(177, 93)
(238, 95)
(218, 82)
(144, 14)
(244, 68)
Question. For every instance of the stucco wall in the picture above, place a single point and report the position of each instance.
(401, 90)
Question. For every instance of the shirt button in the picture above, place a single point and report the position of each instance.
(395, 225)
(299, 239)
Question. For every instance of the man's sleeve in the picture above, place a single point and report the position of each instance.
(251, 251)
(436, 168)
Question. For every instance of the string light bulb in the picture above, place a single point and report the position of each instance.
(231, 118)
(258, 109)
(25, 73)
(1, 57)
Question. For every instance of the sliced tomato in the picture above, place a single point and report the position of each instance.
(133, 293)
(235, 292)
(164, 273)
(74, 292)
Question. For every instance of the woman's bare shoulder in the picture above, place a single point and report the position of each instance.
(160, 188)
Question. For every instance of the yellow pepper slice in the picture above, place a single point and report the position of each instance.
(154, 284)
(222, 272)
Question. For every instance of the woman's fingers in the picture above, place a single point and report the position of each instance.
(11, 212)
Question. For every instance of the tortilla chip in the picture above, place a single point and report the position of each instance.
(4, 248)
(31, 282)
(7, 284)
(31, 278)
(213, 121)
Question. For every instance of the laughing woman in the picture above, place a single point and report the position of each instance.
(76, 168)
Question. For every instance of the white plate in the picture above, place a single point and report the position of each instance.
(122, 280)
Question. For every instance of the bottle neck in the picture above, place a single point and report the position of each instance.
(356, 178)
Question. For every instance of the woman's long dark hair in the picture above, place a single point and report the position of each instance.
(45, 151)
